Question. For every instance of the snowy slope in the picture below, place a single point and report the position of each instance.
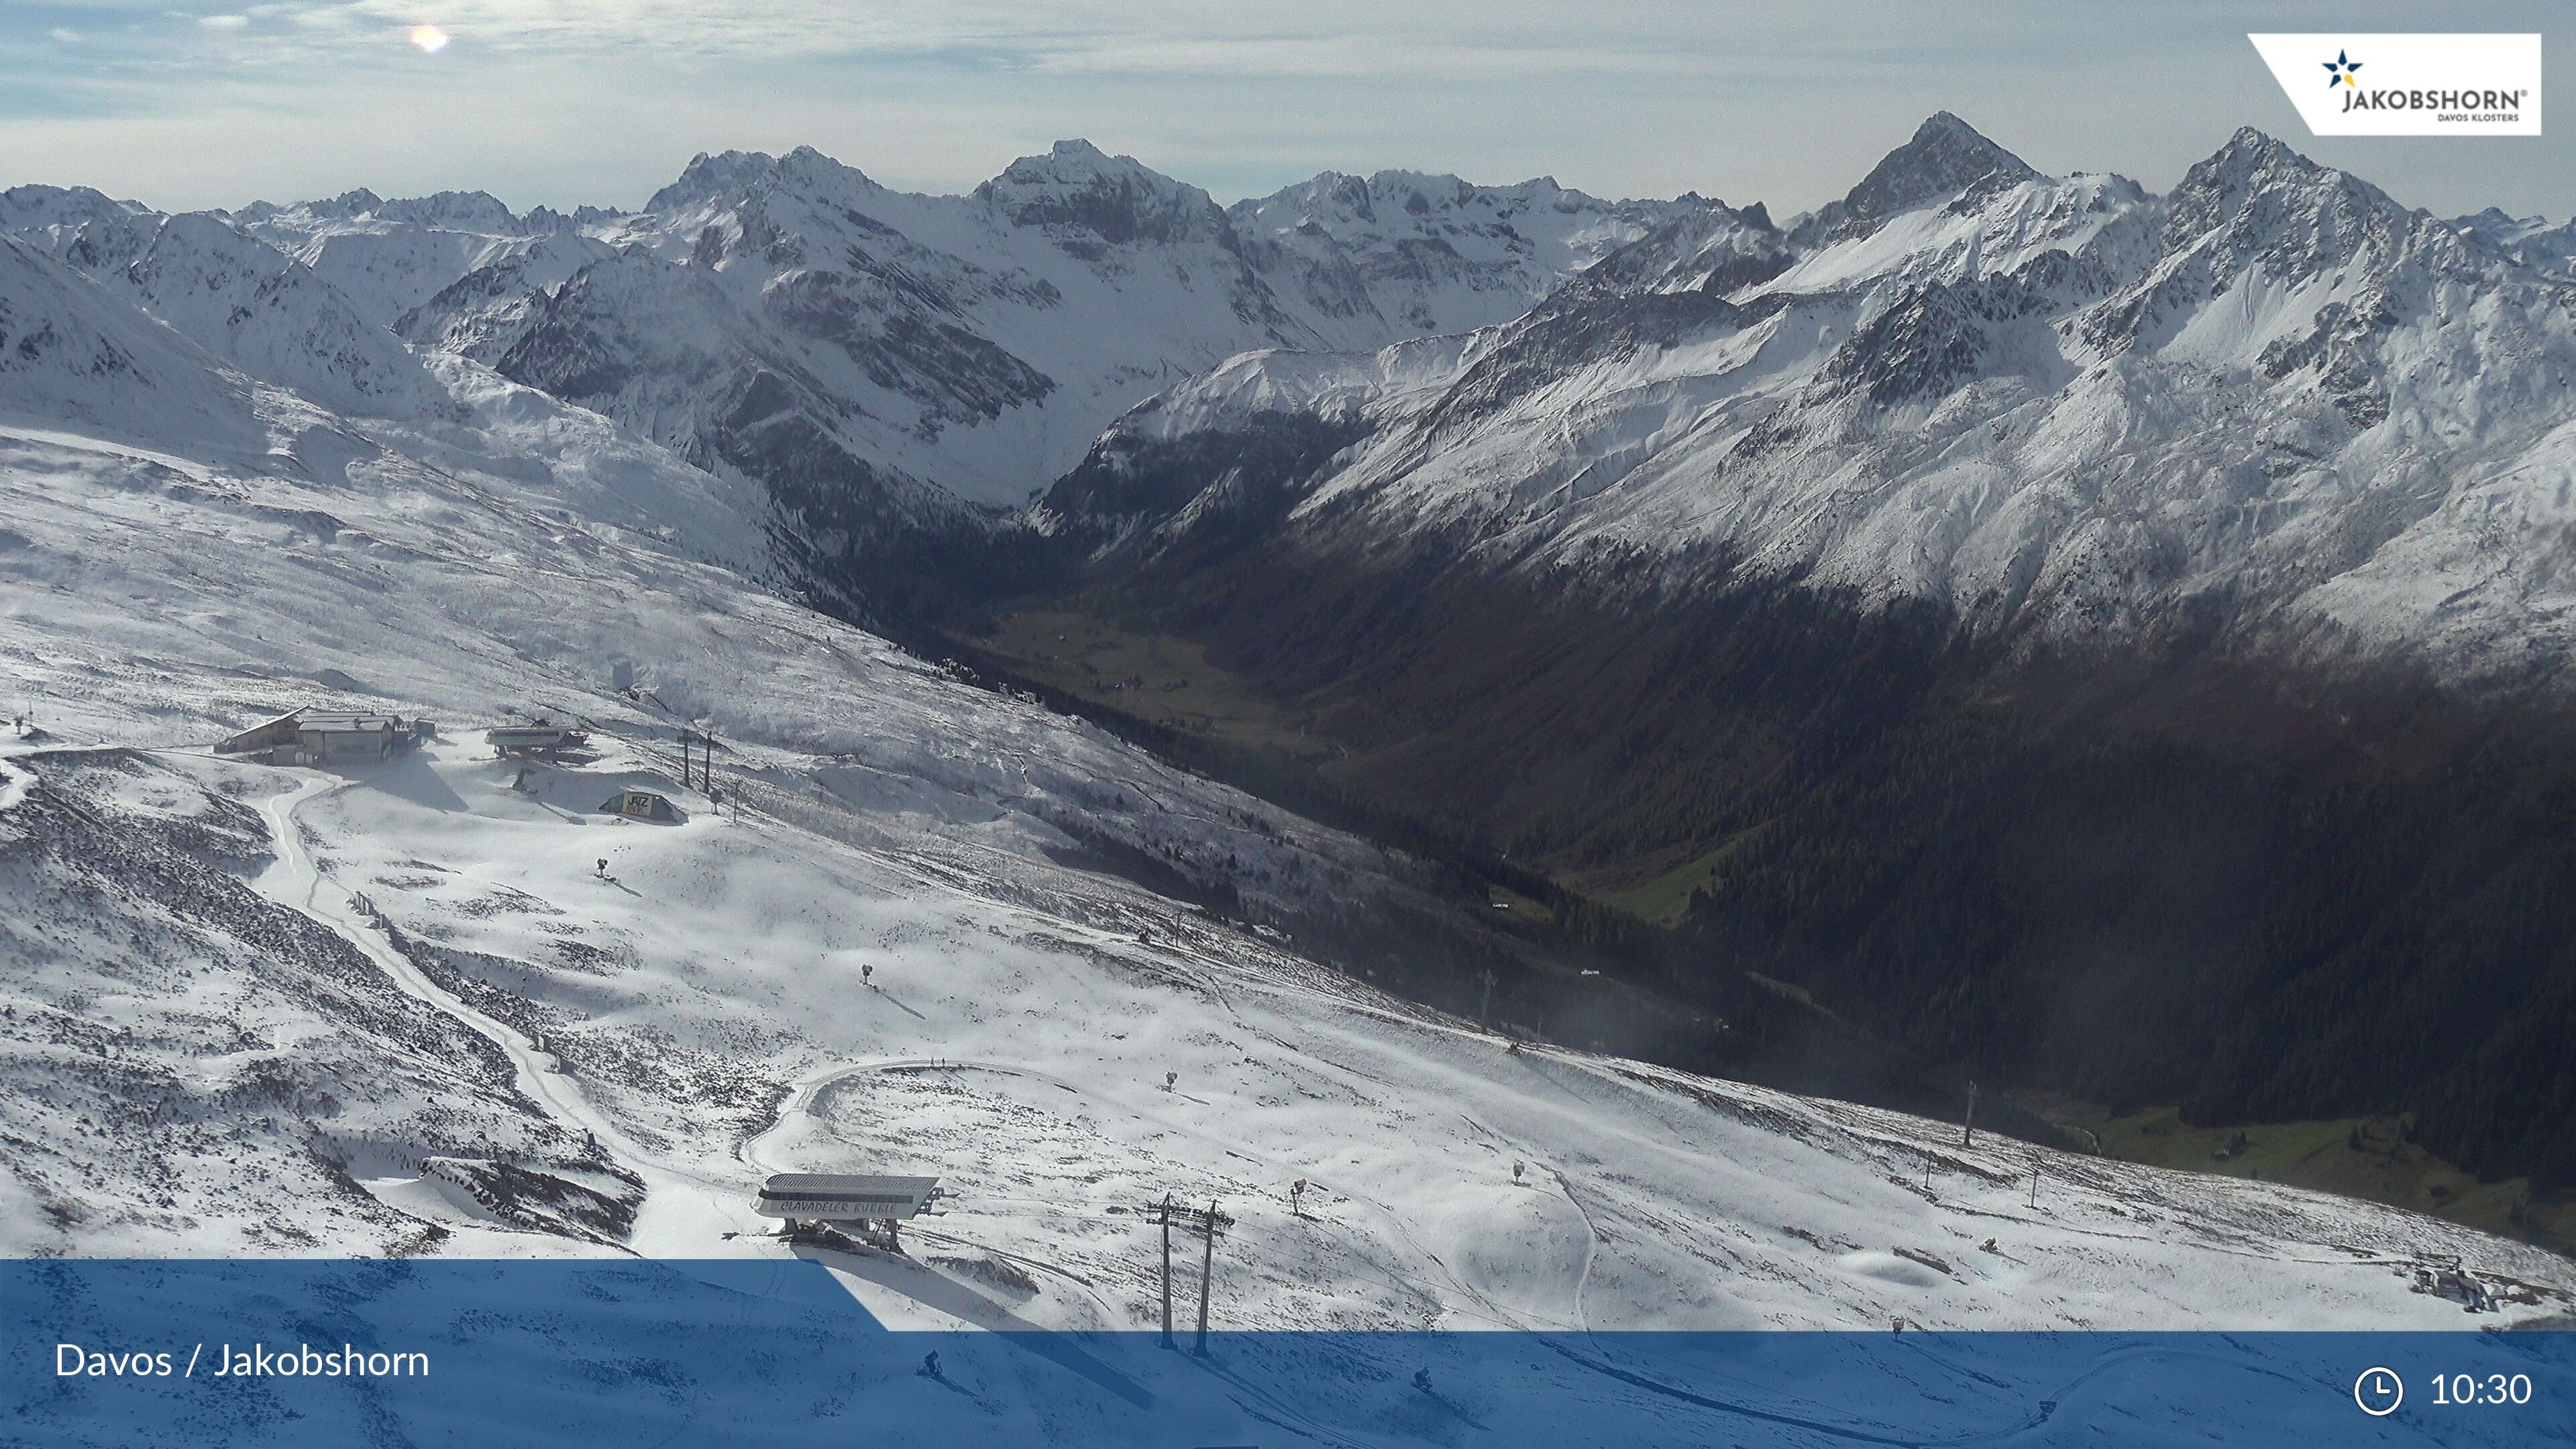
(232, 294)
(2533, 240)
(894, 367)
(401, 1009)
(694, 1022)
(72, 356)
(930, 351)
(389, 257)
(1399, 251)
(2061, 410)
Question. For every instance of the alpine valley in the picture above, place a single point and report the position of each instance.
(1572, 730)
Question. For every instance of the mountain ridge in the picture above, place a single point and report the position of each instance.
(2031, 308)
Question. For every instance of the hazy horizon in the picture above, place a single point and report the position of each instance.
(562, 104)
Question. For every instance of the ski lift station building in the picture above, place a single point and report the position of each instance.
(534, 739)
(327, 737)
(840, 1197)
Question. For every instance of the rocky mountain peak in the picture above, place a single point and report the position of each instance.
(24, 208)
(1077, 187)
(474, 211)
(1945, 157)
(711, 176)
(2534, 241)
(2258, 198)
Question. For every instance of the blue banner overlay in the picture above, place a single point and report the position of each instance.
(634, 1353)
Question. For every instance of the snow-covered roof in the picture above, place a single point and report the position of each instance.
(857, 1195)
(339, 722)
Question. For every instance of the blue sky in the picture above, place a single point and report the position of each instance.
(601, 101)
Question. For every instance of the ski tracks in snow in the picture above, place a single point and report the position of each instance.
(295, 881)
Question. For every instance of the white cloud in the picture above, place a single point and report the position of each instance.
(565, 101)
(65, 35)
(223, 22)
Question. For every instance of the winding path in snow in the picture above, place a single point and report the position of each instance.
(294, 881)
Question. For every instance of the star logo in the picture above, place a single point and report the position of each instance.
(2339, 72)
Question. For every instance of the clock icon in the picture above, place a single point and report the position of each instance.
(2379, 1392)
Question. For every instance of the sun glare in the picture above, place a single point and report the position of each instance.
(429, 38)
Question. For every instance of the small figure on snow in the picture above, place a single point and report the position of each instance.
(866, 970)
(1422, 1380)
(930, 1365)
(1171, 1080)
(1296, 1190)
(1517, 1169)
(603, 867)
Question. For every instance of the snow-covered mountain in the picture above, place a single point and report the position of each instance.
(402, 1009)
(2273, 405)
(899, 370)
(391, 257)
(233, 294)
(1400, 252)
(889, 362)
(2533, 240)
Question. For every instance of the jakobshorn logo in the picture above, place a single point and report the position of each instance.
(2417, 85)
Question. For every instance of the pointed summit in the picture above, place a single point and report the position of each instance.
(2247, 152)
(709, 177)
(1118, 199)
(1945, 158)
(2255, 204)
(29, 207)
(2253, 162)
(1079, 163)
(471, 211)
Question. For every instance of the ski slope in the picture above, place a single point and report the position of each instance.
(404, 1010)
(697, 1018)
(698, 1013)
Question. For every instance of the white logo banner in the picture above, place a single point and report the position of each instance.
(2409, 85)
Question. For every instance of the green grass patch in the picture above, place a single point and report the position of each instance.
(2370, 1158)
(1149, 675)
(1524, 915)
(1660, 895)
